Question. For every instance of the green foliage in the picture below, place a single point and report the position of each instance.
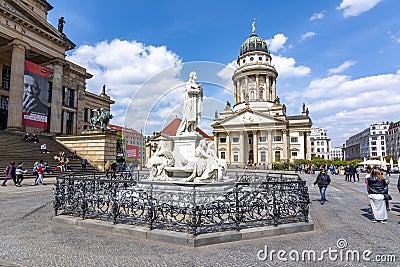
(316, 161)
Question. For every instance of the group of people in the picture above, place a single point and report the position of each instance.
(377, 184)
(14, 173)
(351, 172)
(30, 138)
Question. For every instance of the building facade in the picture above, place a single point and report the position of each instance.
(257, 130)
(369, 143)
(133, 146)
(393, 140)
(320, 143)
(336, 153)
(28, 42)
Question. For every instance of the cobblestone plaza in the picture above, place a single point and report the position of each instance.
(30, 238)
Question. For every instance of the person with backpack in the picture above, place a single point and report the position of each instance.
(19, 172)
(323, 180)
(10, 173)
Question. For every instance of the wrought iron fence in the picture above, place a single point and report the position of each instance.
(247, 201)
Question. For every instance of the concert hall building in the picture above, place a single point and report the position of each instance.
(31, 46)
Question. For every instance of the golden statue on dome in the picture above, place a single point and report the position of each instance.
(253, 26)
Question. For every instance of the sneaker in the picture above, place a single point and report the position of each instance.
(3, 185)
(384, 221)
(374, 221)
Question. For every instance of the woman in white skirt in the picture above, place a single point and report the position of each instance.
(377, 187)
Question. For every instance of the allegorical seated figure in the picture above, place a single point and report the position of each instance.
(207, 166)
(162, 158)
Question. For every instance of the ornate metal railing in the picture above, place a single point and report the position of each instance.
(184, 207)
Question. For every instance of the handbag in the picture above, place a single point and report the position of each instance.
(387, 197)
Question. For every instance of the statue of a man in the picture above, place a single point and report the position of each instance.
(61, 22)
(192, 106)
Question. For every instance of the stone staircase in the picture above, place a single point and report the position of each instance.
(13, 148)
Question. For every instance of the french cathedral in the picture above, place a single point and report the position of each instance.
(256, 130)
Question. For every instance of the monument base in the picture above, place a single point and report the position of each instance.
(97, 146)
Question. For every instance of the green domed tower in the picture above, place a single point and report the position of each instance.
(255, 78)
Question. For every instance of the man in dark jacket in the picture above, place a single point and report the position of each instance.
(352, 173)
(323, 180)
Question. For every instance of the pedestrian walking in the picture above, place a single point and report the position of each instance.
(40, 173)
(10, 173)
(84, 163)
(352, 173)
(19, 172)
(377, 188)
(323, 180)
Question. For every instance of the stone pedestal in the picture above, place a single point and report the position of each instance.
(184, 147)
(96, 146)
(184, 150)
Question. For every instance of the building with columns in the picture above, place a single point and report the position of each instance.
(27, 38)
(256, 129)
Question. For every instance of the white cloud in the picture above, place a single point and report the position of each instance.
(307, 35)
(226, 74)
(277, 43)
(319, 15)
(356, 7)
(286, 67)
(124, 66)
(345, 65)
(348, 106)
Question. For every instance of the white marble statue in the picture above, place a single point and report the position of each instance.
(162, 158)
(192, 106)
(207, 166)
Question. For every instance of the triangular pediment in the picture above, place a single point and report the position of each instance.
(248, 117)
(20, 14)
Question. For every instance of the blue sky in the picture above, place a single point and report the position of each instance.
(340, 57)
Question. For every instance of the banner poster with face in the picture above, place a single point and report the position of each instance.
(34, 107)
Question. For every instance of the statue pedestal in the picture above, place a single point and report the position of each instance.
(184, 155)
(184, 150)
(97, 146)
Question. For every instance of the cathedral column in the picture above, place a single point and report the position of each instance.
(257, 96)
(285, 143)
(246, 90)
(308, 145)
(270, 149)
(228, 148)
(255, 147)
(56, 98)
(237, 93)
(216, 144)
(273, 90)
(242, 148)
(14, 120)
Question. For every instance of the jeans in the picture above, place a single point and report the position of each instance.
(39, 178)
(322, 190)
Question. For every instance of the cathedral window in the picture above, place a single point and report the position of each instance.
(263, 156)
(277, 138)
